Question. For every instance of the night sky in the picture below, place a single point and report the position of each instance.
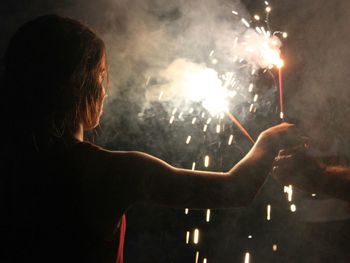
(143, 37)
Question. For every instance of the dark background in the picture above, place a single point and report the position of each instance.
(316, 80)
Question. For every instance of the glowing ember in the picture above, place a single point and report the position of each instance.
(196, 236)
(247, 257)
(207, 218)
(268, 213)
(293, 208)
(206, 161)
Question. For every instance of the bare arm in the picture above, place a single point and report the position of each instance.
(166, 185)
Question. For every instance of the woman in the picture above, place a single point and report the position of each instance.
(67, 194)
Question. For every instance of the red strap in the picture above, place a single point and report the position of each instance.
(120, 255)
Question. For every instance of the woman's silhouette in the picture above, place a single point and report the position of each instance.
(64, 196)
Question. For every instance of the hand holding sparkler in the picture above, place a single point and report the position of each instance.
(297, 167)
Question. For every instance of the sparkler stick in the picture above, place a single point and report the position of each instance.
(281, 91)
(240, 126)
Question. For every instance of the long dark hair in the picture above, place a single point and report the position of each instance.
(52, 71)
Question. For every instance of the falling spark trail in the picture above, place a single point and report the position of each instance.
(196, 236)
(240, 126)
(207, 218)
(268, 213)
(247, 257)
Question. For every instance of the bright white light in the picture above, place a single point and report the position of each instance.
(206, 161)
(193, 166)
(293, 208)
(268, 213)
(230, 140)
(196, 236)
(245, 22)
(247, 257)
(197, 83)
(207, 218)
(274, 247)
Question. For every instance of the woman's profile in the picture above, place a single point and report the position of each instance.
(64, 196)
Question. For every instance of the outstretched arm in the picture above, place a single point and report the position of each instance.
(166, 185)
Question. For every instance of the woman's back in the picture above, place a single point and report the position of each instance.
(56, 211)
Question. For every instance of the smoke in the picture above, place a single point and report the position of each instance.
(317, 70)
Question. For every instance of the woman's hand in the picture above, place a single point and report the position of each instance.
(272, 140)
(281, 136)
(297, 167)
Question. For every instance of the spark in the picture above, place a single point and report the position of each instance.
(194, 120)
(251, 107)
(250, 236)
(234, 12)
(268, 213)
(186, 211)
(245, 22)
(230, 140)
(268, 9)
(284, 34)
(180, 115)
(206, 161)
(218, 127)
(174, 111)
(293, 208)
(171, 119)
(256, 17)
(205, 127)
(188, 139)
(197, 257)
(193, 166)
(274, 247)
(247, 257)
(255, 97)
(209, 120)
(196, 236)
(207, 218)
(289, 191)
(187, 237)
(266, 3)
(204, 260)
(160, 95)
(251, 86)
(313, 195)
(211, 53)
